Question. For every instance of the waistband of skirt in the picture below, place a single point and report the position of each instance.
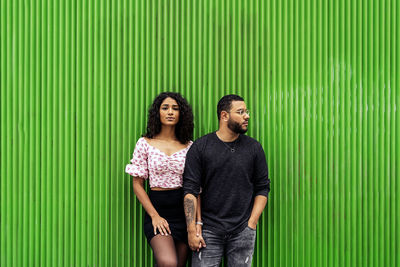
(173, 192)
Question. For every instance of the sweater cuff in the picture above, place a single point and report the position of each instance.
(190, 191)
(264, 193)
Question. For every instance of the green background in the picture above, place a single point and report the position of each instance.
(321, 79)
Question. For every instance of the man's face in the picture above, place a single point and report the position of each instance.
(238, 117)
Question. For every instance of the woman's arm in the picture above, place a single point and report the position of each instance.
(198, 217)
(158, 222)
(199, 224)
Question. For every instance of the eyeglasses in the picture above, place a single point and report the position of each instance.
(241, 112)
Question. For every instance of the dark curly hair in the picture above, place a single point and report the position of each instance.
(184, 127)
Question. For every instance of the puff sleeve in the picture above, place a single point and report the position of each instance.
(138, 166)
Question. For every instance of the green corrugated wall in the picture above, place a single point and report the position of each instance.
(322, 81)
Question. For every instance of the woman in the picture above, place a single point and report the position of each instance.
(160, 157)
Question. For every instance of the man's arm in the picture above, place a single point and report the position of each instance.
(191, 189)
(261, 186)
(259, 204)
(195, 242)
(190, 204)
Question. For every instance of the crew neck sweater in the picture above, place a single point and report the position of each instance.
(229, 181)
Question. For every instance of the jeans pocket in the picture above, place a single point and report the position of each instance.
(207, 231)
(251, 228)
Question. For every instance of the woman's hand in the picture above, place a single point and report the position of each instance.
(199, 234)
(198, 230)
(160, 224)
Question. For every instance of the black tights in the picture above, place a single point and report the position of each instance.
(169, 253)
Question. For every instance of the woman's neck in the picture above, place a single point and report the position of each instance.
(166, 133)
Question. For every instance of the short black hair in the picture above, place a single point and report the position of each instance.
(185, 125)
(225, 103)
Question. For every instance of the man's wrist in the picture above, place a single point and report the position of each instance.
(253, 222)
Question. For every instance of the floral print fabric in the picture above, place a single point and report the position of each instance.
(162, 170)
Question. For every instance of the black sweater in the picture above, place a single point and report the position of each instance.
(229, 181)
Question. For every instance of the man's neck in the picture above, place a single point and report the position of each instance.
(226, 135)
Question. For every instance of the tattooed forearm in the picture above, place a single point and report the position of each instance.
(189, 210)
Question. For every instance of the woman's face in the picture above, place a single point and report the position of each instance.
(169, 112)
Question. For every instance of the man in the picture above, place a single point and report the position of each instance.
(230, 170)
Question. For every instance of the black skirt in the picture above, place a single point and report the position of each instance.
(169, 205)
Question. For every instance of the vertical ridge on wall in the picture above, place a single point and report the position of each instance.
(321, 79)
(3, 137)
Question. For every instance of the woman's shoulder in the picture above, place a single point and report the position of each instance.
(142, 143)
(189, 144)
(141, 140)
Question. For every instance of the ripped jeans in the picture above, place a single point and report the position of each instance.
(238, 249)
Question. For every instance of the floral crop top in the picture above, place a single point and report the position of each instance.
(162, 170)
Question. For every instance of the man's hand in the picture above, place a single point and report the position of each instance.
(196, 241)
(252, 224)
(199, 233)
(258, 207)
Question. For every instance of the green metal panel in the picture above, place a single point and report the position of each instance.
(320, 77)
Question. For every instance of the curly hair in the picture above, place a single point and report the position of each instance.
(184, 127)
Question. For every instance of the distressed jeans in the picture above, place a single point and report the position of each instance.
(238, 249)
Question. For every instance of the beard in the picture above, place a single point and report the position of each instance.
(236, 127)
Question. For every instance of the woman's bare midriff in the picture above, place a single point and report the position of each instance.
(163, 189)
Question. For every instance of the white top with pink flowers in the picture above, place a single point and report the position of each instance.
(162, 170)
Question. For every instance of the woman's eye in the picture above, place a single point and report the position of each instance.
(164, 108)
(176, 108)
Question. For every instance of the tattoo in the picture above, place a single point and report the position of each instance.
(189, 210)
